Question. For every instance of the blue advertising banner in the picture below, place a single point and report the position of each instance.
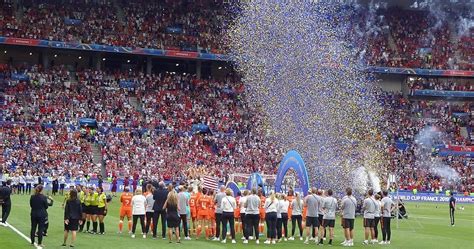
(70, 21)
(439, 93)
(127, 84)
(235, 188)
(432, 198)
(293, 160)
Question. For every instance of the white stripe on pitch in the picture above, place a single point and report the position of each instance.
(21, 234)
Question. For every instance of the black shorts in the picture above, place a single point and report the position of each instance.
(369, 222)
(328, 223)
(312, 221)
(348, 224)
(72, 226)
(92, 210)
(84, 208)
(100, 211)
(320, 219)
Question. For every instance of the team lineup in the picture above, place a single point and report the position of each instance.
(210, 215)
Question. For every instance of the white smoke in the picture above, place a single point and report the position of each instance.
(426, 158)
(360, 180)
(374, 181)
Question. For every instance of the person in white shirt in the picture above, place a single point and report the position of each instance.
(387, 208)
(29, 182)
(271, 207)
(243, 220)
(252, 215)
(329, 216)
(378, 211)
(296, 216)
(282, 219)
(228, 204)
(138, 211)
(62, 184)
(21, 184)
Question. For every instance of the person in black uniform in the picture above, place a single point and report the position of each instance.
(452, 207)
(55, 185)
(5, 201)
(46, 221)
(159, 196)
(72, 217)
(39, 205)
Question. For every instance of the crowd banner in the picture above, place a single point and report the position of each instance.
(433, 198)
(293, 160)
(420, 71)
(440, 93)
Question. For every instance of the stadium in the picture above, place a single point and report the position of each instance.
(227, 123)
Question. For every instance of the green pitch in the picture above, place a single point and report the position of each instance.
(427, 227)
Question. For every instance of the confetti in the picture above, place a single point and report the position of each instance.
(300, 69)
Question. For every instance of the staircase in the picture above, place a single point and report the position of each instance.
(18, 10)
(391, 43)
(471, 134)
(97, 157)
(454, 38)
(464, 132)
(119, 10)
(134, 103)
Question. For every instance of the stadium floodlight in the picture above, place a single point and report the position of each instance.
(31, 53)
(5, 51)
(177, 64)
(128, 61)
(55, 55)
(219, 68)
(80, 57)
(103, 59)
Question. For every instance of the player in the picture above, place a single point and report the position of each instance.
(368, 207)
(192, 208)
(452, 208)
(261, 224)
(349, 204)
(311, 203)
(203, 215)
(101, 209)
(126, 209)
(237, 225)
(92, 201)
(329, 216)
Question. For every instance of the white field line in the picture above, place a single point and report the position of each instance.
(21, 234)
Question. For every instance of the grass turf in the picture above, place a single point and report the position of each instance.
(427, 227)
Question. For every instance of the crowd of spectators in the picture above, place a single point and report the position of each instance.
(440, 84)
(410, 122)
(156, 136)
(174, 25)
(391, 37)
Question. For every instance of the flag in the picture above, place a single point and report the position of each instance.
(210, 182)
